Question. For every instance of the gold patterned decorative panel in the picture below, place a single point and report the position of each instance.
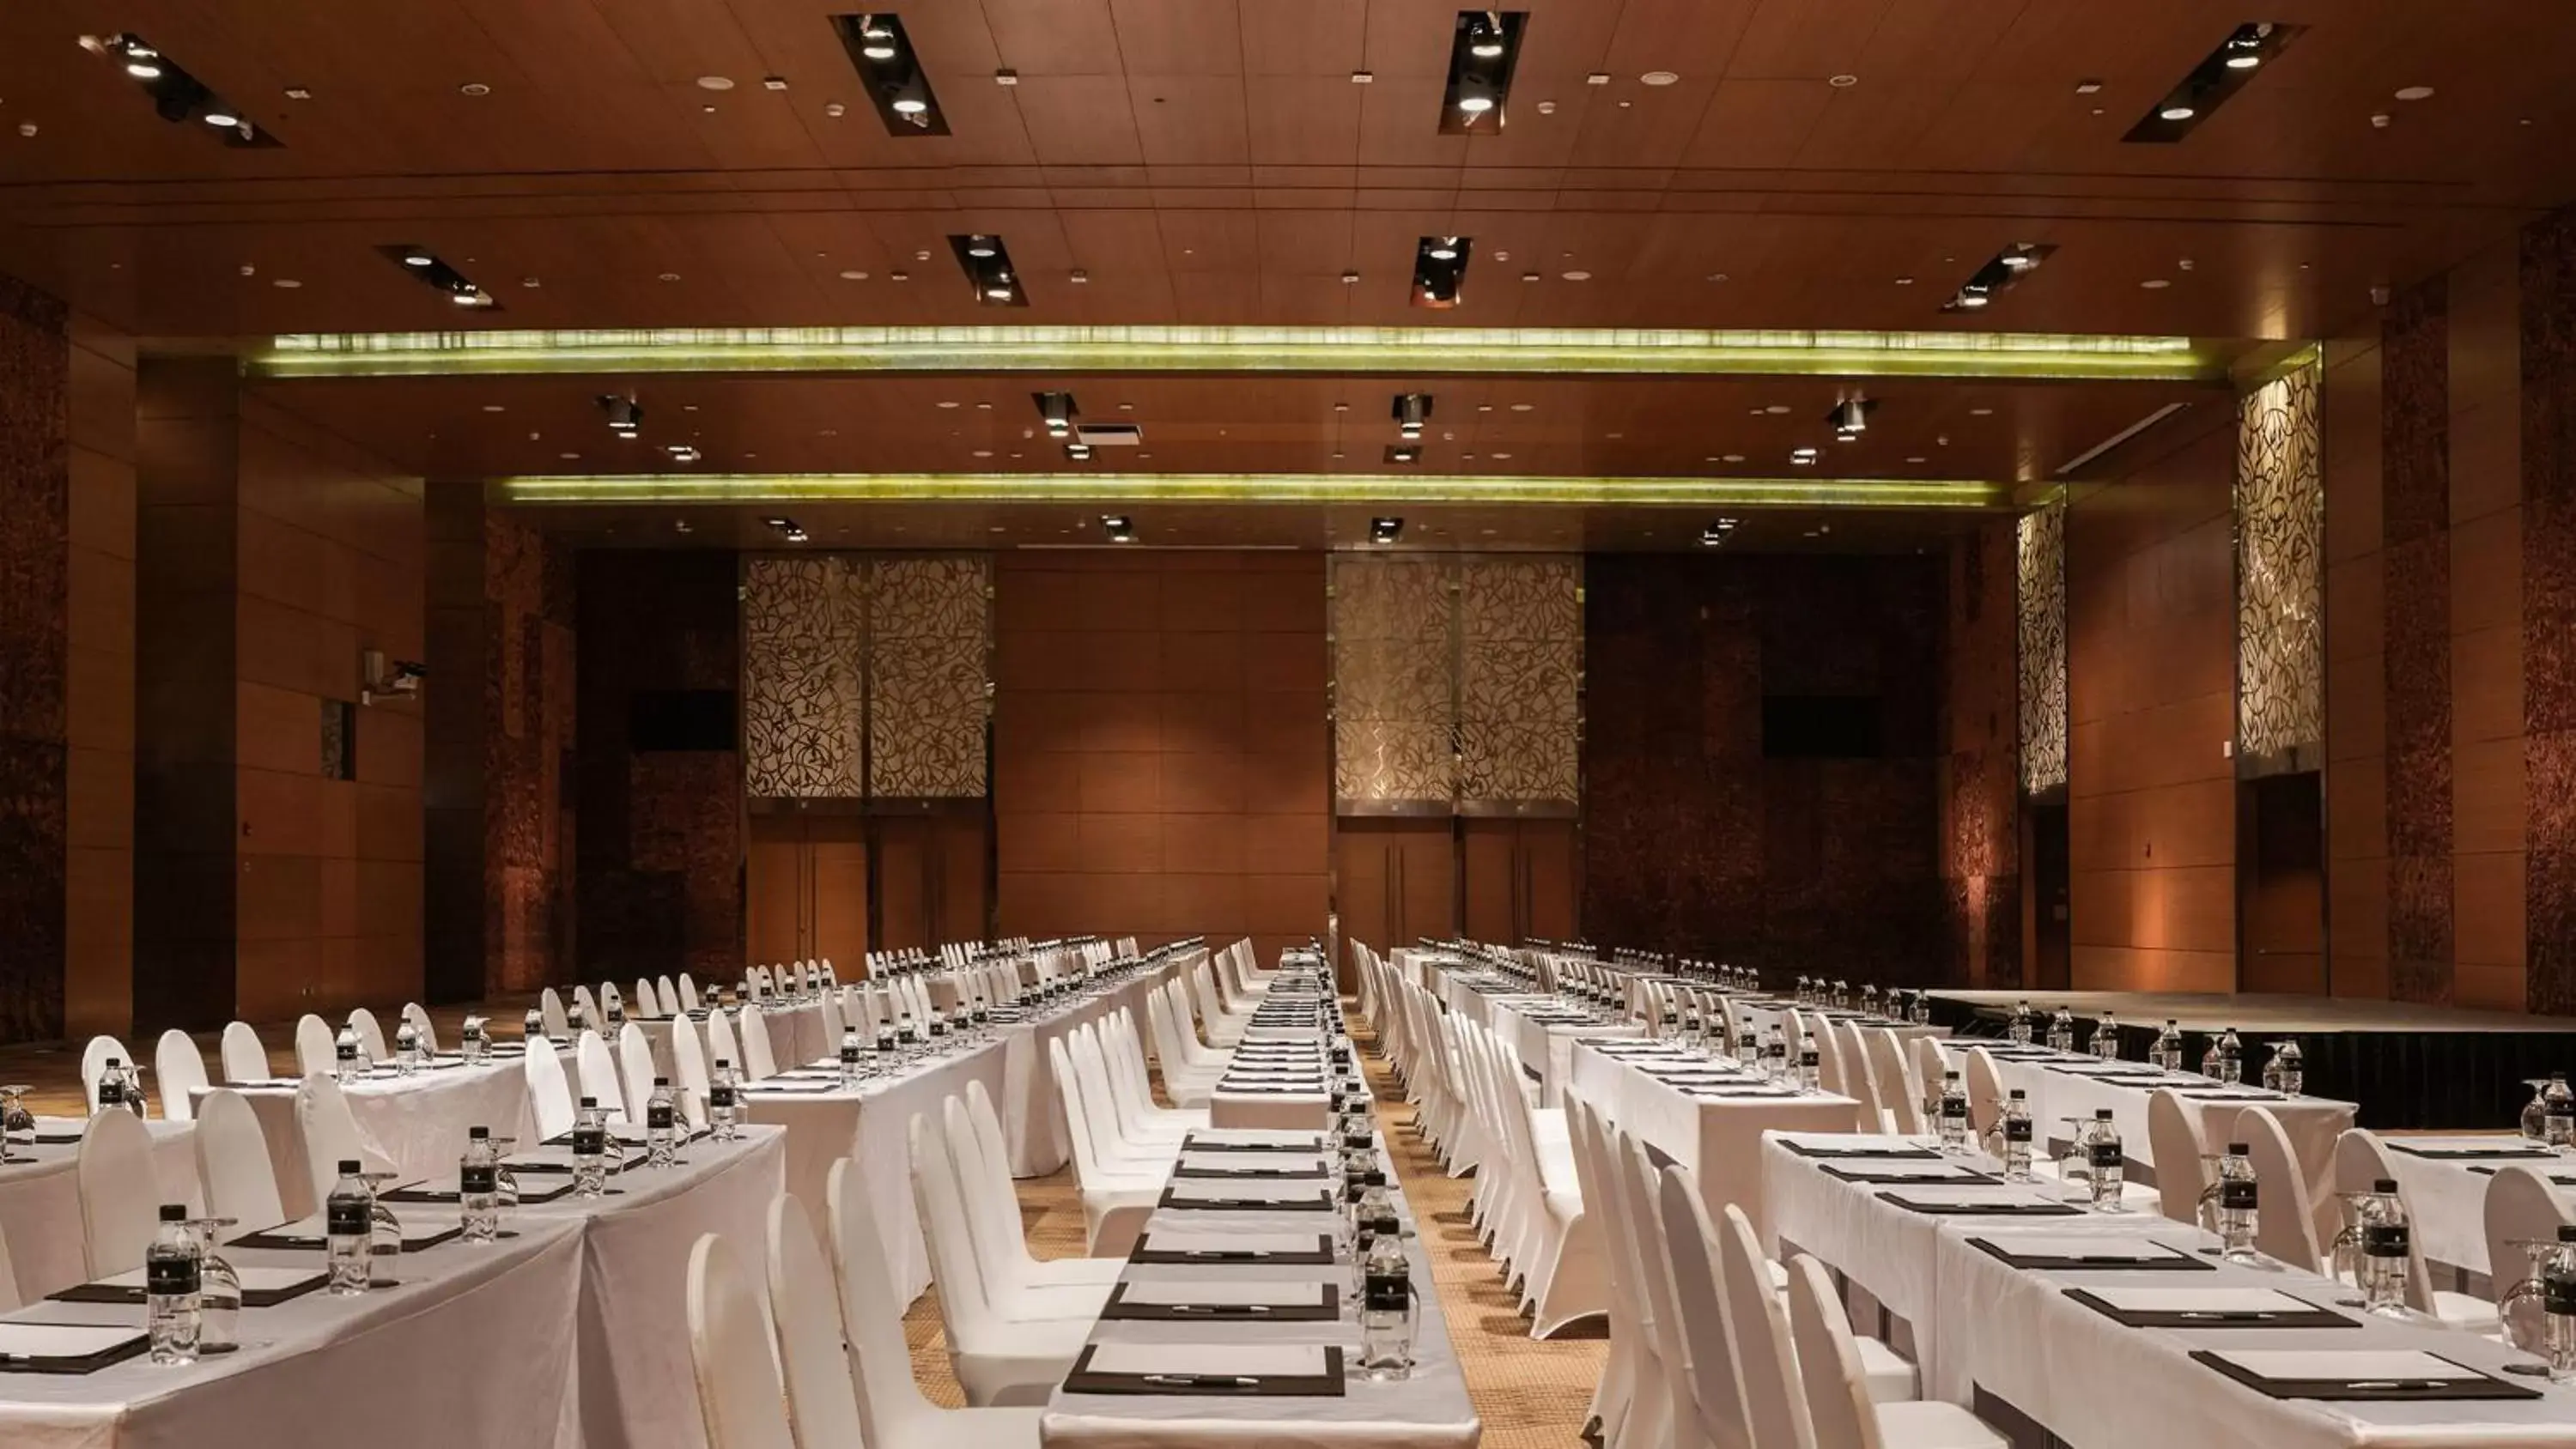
(2280, 529)
(803, 623)
(865, 675)
(929, 626)
(2040, 548)
(1520, 678)
(1457, 680)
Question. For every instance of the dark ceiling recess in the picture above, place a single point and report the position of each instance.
(2212, 83)
(892, 73)
(178, 97)
(1482, 53)
(987, 264)
(424, 266)
(1440, 270)
(1999, 275)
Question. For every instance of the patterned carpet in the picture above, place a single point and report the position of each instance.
(1529, 1394)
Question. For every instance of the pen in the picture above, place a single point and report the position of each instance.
(2396, 1383)
(1203, 1381)
(1220, 1308)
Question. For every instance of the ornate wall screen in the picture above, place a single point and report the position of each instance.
(2040, 550)
(2280, 615)
(865, 676)
(1457, 683)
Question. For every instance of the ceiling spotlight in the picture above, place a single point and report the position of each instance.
(423, 264)
(1475, 105)
(1057, 410)
(1119, 527)
(1444, 251)
(986, 260)
(1717, 532)
(1403, 453)
(2177, 113)
(2211, 83)
(786, 528)
(1411, 410)
(1440, 270)
(1384, 530)
(892, 73)
(2019, 260)
(1999, 274)
(625, 414)
(1972, 300)
(1078, 452)
(1850, 417)
(977, 246)
(417, 259)
(1483, 50)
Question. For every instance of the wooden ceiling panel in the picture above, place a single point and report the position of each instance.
(1051, 37)
(1693, 37)
(1316, 38)
(1184, 120)
(1753, 124)
(1629, 126)
(1178, 37)
(1302, 120)
(1806, 39)
(1409, 40)
(1078, 120)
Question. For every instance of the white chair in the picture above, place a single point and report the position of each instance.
(758, 1064)
(94, 1059)
(1639, 1193)
(612, 1006)
(233, 1165)
(1985, 1092)
(2520, 1207)
(120, 1193)
(669, 996)
(422, 1027)
(688, 993)
(1828, 1370)
(245, 1056)
(996, 1189)
(2361, 1161)
(331, 1135)
(722, 1047)
(689, 1062)
(1898, 1093)
(992, 1228)
(893, 1412)
(315, 1048)
(997, 1359)
(1190, 1071)
(732, 1355)
(550, 1006)
(635, 1071)
(1116, 1200)
(1690, 1244)
(549, 1094)
(647, 1003)
(821, 1402)
(589, 1004)
(1860, 1081)
(9, 1298)
(182, 1070)
(597, 1069)
(1615, 1392)
(2286, 1229)
(1140, 1117)
(1757, 1331)
(371, 1037)
(2174, 1139)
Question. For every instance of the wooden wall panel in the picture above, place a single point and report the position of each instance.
(1980, 770)
(2415, 520)
(98, 935)
(2356, 772)
(2548, 468)
(2151, 629)
(1160, 745)
(35, 565)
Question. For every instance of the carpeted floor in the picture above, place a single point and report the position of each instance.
(1528, 1393)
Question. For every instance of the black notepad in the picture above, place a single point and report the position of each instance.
(2165, 1260)
(1819, 1149)
(1328, 1384)
(2287, 1316)
(2481, 1386)
(113, 1346)
(1327, 1309)
(1319, 1256)
(1982, 1209)
(1964, 1177)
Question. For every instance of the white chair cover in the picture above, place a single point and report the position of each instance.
(549, 1094)
(820, 1400)
(647, 1003)
(120, 1194)
(2521, 1206)
(233, 1165)
(689, 1060)
(598, 1069)
(758, 1063)
(1691, 1244)
(182, 1070)
(371, 1037)
(550, 1006)
(331, 1134)
(245, 1055)
(669, 995)
(689, 993)
(1757, 1328)
(421, 1025)
(731, 1352)
(2287, 1227)
(2173, 1136)
(589, 1004)
(635, 1071)
(314, 1048)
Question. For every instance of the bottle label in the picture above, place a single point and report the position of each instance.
(346, 1051)
(2103, 1155)
(347, 1218)
(478, 1179)
(2385, 1240)
(170, 1275)
(590, 1142)
(1954, 1108)
(849, 1056)
(2017, 1129)
(1389, 1292)
(2558, 1294)
(2236, 1194)
(658, 1118)
(720, 1097)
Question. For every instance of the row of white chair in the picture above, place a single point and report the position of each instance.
(1124, 1144)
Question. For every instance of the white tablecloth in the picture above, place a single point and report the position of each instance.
(872, 1125)
(40, 1215)
(417, 1122)
(1546, 1047)
(1718, 1138)
(2449, 1197)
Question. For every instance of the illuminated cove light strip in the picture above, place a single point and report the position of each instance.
(1250, 488)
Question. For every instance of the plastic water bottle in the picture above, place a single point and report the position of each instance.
(533, 1025)
(2104, 1155)
(590, 1150)
(2558, 1111)
(2558, 1307)
(2016, 1137)
(2061, 1030)
(1775, 1053)
(111, 1087)
(348, 1230)
(722, 1095)
(406, 1049)
(1954, 1114)
(473, 1041)
(661, 1125)
(2236, 1205)
(2168, 1053)
(2231, 1058)
(906, 1034)
(1811, 1065)
(853, 1059)
(1386, 1310)
(2387, 1240)
(478, 1186)
(575, 1019)
(2106, 1038)
(2294, 1068)
(347, 1062)
(2020, 1029)
(1922, 1013)
(1373, 1207)
(173, 1288)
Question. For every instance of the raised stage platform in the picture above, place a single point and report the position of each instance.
(2405, 1066)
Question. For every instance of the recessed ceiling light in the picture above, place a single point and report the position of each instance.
(854, 276)
(1547, 108)
(298, 93)
(1529, 276)
(947, 403)
(2415, 93)
(1577, 276)
(2087, 87)
(568, 457)
(2244, 60)
(835, 109)
(1658, 78)
(1006, 77)
(1730, 457)
(1502, 457)
(1717, 276)
(1349, 278)
(979, 247)
(1078, 277)
(1918, 458)
(670, 276)
(1905, 281)
(530, 283)
(1842, 82)
(1523, 407)
(1981, 412)
(715, 83)
(1361, 77)
(983, 452)
(2177, 113)
(493, 408)
(2155, 284)
(1597, 78)
(983, 407)
(773, 82)
(898, 276)
(1475, 105)
(1776, 409)
(289, 283)
(474, 88)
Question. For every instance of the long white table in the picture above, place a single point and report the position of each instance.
(571, 1331)
(1717, 1137)
(418, 1122)
(2447, 1196)
(40, 1217)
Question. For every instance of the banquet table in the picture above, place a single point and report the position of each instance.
(871, 1124)
(40, 1217)
(1717, 1137)
(417, 1122)
(2446, 1195)
(503, 1344)
(1429, 1410)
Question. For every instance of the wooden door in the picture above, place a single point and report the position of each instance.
(1548, 891)
(1396, 880)
(836, 876)
(806, 889)
(931, 877)
(1518, 879)
(774, 889)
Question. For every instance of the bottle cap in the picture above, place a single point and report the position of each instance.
(349, 1167)
(2567, 1232)
(174, 1212)
(478, 1134)
(116, 1061)
(2385, 1184)
(2101, 1114)
(2016, 1094)
(724, 1061)
(594, 1101)
(1374, 1177)
(661, 1081)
